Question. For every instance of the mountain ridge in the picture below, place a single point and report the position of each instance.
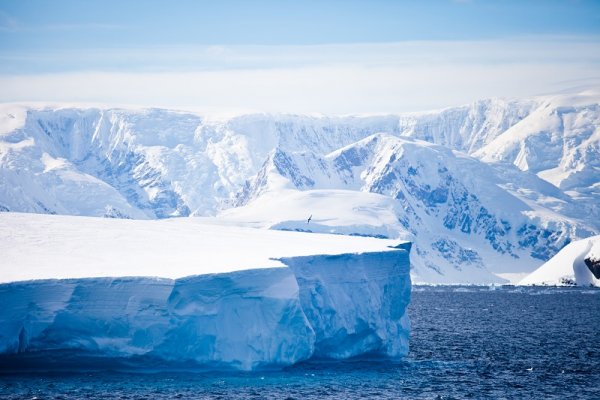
(458, 184)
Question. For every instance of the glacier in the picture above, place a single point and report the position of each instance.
(293, 296)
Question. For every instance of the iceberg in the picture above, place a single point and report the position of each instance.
(578, 263)
(338, 305)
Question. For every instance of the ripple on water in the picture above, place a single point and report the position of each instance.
(526, 343)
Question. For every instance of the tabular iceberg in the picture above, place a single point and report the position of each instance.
(333, 306)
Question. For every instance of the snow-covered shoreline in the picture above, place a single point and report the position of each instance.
(571, 266)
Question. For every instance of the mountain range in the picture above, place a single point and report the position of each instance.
(486, 191)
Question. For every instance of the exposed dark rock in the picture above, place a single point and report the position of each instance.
(594, 266)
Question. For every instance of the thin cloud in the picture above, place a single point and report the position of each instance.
(332, 79)
(329, 90)
(541, 50)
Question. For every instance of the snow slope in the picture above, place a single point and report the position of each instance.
(336, 211)
(231, 306)
(578, 263)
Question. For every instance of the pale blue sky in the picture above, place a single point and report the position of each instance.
(394, 55)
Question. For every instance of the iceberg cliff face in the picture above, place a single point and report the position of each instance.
(327, 306)
(244, 320)
(355, 305)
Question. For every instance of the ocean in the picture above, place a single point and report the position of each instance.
(466, 342)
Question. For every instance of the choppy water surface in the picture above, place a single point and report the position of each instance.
(466, 342)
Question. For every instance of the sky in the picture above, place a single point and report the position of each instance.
(332, 57)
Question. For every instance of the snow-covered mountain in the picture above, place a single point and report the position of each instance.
(560, 142)
(464, 215)
(468, 128)
(556, 137)
(499, 185)
(157, 163)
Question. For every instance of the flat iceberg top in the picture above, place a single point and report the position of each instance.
(37, 246)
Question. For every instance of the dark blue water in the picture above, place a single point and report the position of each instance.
(526, 343)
